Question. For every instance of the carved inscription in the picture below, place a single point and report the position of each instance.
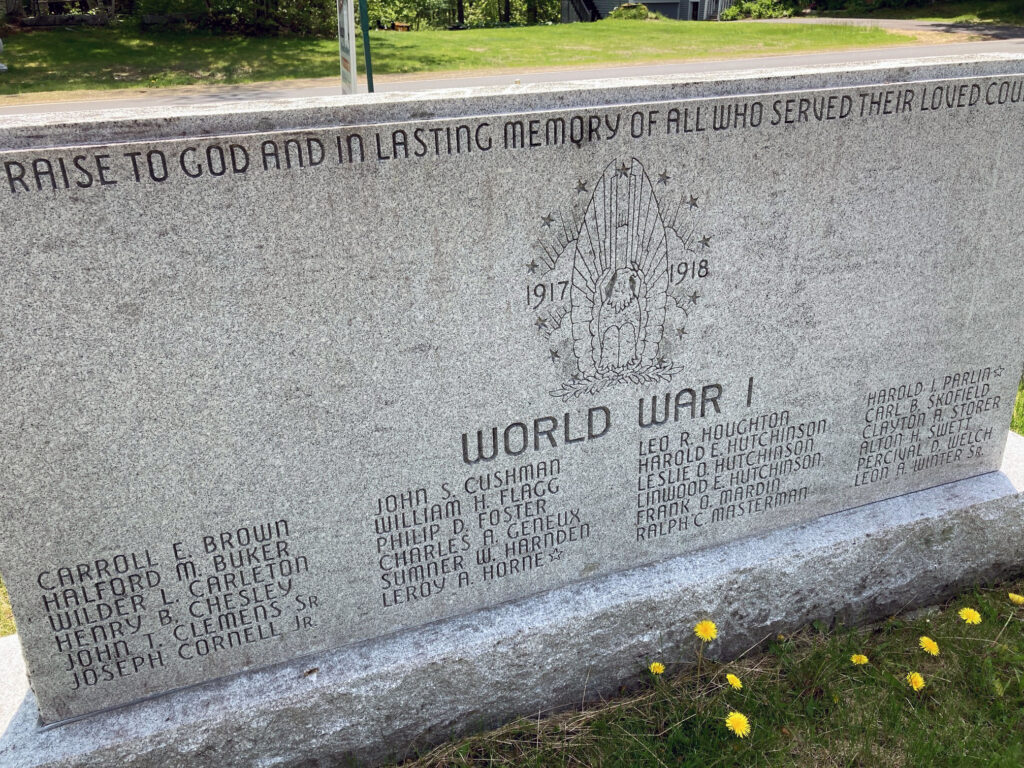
(123, 614)
(921, 425)
(103, 614)
(612, 282)
(215, 161)
(499, 524)
(689, 479)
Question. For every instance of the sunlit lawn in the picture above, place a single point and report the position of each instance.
(122, 57)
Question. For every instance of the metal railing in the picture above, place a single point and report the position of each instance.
(585, 10)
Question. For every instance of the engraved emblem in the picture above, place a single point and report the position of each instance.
(606, 286)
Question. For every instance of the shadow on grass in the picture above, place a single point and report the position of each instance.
(984, 29)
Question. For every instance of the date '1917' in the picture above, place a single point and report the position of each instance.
(539, 293)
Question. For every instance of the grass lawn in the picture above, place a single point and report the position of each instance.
(123, 57)
(964, 12)
(1017, 424)
(806, 702)
(6, 617)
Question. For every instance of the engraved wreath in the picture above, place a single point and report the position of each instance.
(607, 322)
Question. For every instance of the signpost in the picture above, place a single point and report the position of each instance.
(347, 44)
(364, 21)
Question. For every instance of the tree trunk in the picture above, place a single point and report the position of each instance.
(506, 12)
(14, 8)
(531, 11)
(462, 12)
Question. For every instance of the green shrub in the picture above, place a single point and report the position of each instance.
(250, 17)
(758, 9)
(635, 11)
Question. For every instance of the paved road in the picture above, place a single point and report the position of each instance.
(988, 31)
(1000, 40)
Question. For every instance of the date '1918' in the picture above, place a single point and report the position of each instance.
(689, 270)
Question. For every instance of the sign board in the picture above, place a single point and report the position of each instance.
(347, 45)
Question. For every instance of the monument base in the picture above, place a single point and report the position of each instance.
(383, 699)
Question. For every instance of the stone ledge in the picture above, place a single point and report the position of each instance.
(381, 699)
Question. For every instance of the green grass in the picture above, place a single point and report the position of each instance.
(1017, 424)
(808, 705)
(6, 617)
(122, 57)
(965, 12)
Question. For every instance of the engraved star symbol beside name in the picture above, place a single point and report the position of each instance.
(547, 220)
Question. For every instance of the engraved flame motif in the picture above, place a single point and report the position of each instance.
(620, 276)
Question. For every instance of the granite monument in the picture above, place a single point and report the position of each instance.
(282, 379)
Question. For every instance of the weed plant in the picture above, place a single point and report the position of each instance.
(806, 701)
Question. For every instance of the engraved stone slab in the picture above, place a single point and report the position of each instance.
(283, 380)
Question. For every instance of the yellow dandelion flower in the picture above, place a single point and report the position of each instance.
(928, 645)
(706, 631)
(915, 680)
(734, 681)
(970, 616)
(737, 723)
(858, 659)
(656, 668)
(1016, 599)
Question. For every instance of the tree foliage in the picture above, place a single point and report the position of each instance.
(319, 17)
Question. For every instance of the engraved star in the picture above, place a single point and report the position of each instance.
(546, 220)
(554, 355)
(532, 266)
(555, 555)
(622, 170)
(692, 202)
(661, 362)
(541, 323)
(680, 332)
(574, 377)
(693, 297)
(706, 241)
(998, 371)
(663, 177)
(581, 186)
